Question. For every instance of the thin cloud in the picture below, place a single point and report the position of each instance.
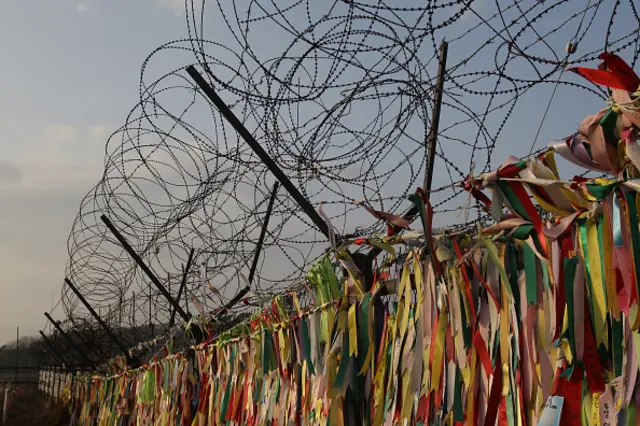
(9, 172)
(46, 171)
(54, 156)
(83, 7)
(175, 6)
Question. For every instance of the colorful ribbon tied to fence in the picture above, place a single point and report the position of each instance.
(532, 320)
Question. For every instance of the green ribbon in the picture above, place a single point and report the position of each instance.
(630, 197)
(511, 258)
(148, 386)
(569, 274)
(522, 232)
(587, 267)
(417, 200)
(603, 269)
(493, 254)
(466, 328)
(388, 396)
(268, 355)
(344, 362)
(600, 192)
(278, 388)
(513, 200)
(458, 412)
(510, 410)
(631, 413)
(363, 330)
(225, 402)
(323, 278)
(495, 349)
(617, 345)
(608, 123)
(306, 343)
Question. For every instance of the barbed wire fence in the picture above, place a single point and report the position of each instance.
(340, 95)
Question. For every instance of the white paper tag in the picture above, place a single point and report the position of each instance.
(551, 411)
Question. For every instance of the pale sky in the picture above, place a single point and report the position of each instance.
(70, 74)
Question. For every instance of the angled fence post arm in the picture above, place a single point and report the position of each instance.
(69, 340)
(106, 328)
(304, 204)
(125, 244)
(183, 283)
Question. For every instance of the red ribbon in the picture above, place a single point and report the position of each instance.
(566, 245)
(467, 283)
(595, 377)
(495, 395)
(618, 75)
(481, 350)
(522, 195)
(571, 391)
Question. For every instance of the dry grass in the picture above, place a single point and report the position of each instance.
(28, 407)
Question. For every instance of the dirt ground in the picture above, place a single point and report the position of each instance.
(28, 407)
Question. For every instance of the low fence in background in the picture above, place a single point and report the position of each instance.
(19, 375)
(53, 380)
